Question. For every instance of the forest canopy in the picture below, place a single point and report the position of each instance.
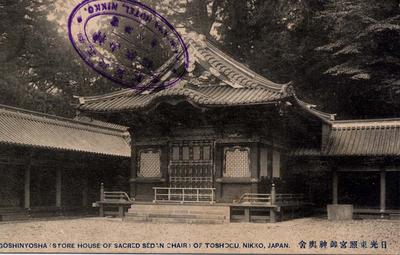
(343, 55)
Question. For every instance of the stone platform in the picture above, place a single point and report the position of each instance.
(179, 213)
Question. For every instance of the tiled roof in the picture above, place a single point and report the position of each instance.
(27, 128)
(364, 138)
(218, 95)
(237, 85)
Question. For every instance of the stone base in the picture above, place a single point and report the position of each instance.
(340, 212)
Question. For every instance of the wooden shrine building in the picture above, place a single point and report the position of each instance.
(222, 127)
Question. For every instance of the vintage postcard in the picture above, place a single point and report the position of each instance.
(200, 126)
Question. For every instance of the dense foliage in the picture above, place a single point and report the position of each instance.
(341, 55)
(40, 70)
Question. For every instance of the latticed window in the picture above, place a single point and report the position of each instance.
(185, 153)
(175, 153)
(196, 152)
(276, 164)
(237, 162)
(264, 162)
(206, 153)
(149, 163)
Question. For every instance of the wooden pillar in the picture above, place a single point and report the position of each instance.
(247, 216)
(102, 192)
(335, 182)
(27, 187)
(218, 162)
(133, 172)
(58, 187)
(101, 209)
(382, 205)
(272, 210)
(85, 189)
(254, 167)
(121, 211)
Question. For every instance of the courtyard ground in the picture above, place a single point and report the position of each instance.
(105, 235)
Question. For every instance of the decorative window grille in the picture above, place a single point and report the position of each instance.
(264, 162)
(196, 152)
(206, 153)
(175, 153)
(237, 162)
(150, 163)
(276, 164)
(185, 153)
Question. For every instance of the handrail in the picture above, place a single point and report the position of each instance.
(113, 195)
(116, 194)
(182, 195)
(118, 199)
(257, 198)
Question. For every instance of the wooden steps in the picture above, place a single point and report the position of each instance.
(178, 213)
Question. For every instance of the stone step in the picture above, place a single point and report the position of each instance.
(394, 216)
(140, 212)
(178, 210)
(180, 206)
(169, 215)
(187, 221)
(135, 218)
(179, 213)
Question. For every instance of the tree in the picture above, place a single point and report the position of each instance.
(363, 53)
(40, 70)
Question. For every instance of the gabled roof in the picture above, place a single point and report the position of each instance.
(34, 129)
(233, 84)
(226, 67)
(373, 137)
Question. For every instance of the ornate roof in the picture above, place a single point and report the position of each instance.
(33, 129)
(214, 79)
(223, 82)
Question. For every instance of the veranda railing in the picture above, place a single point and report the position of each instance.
(182, 195)
(271, 198)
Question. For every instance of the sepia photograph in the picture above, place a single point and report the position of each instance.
(200, 126)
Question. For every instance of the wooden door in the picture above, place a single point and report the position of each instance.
(191, 164)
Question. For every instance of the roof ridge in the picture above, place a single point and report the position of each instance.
(227, 57)
(366, 120)
(370, 123)
(84, 99)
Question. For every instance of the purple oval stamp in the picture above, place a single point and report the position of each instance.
(128, 43)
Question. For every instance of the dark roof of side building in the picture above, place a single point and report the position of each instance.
(34, 129)
(371, 137)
